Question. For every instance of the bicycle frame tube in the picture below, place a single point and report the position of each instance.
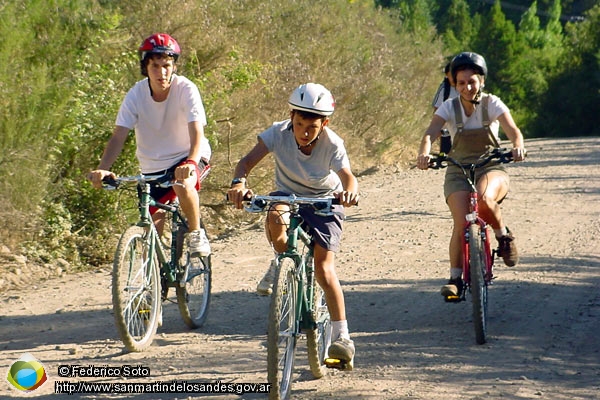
(305, 287)
(474, 218)
(145, 202)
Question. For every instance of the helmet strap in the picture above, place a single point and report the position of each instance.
(300, 147)
(150, 87)
(476, 100)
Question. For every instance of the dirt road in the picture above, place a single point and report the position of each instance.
(544, 340)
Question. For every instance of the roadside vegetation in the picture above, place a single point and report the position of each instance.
(68, 64)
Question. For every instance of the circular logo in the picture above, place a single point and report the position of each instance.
(27, 373)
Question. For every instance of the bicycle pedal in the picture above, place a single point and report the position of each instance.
(452, 299)
(337, 363)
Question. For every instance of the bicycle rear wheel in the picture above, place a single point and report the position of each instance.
(282, 330)
(135, 289)
(319, 339)
(478, 286)
(193, 298)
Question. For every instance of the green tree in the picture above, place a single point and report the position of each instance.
(530, 29)
(498, 42)
(459, 33)
(570, 107)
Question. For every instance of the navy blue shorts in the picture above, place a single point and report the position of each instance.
(326, 231)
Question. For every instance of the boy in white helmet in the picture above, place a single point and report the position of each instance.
(310, 160)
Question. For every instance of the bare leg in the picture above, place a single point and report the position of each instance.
(328, 280)
(459, 207)
(276, 225)
(190, 202)
(492, 187)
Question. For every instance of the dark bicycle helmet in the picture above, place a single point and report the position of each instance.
(466, 60)
(158, 43)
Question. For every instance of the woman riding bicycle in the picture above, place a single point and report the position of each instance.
(473, 119)
(310, 160)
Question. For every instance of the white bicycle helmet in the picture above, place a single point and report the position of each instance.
(313, 98)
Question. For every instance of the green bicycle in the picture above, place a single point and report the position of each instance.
(146, 265)
(297, 303)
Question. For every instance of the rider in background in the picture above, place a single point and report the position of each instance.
(167, 113)
(311, 161)
(473, 119)
(446, 90)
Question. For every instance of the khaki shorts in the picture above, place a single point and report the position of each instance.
(456, 181)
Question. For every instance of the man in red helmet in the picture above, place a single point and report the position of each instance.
(167, 114)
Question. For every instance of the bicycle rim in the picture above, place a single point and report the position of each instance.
(193, 299)
(135, 290)
(478, 287)
(282, 334)
(319, 339)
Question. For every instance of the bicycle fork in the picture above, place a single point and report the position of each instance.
(488, 253)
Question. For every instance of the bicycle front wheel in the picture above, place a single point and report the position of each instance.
(193, 291)
(136, 289)
(319, 339)
(282, 330)
(478, 286)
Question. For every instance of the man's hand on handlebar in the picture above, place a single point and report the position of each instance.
(97, 175)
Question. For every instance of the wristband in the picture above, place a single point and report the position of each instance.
(235, 181)
(190, 161)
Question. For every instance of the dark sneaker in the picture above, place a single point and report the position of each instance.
(452, 291)
(507, 249)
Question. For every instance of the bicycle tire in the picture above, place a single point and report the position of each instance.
(193, 299)
(478, 287)
(135, 290)
(282, 330)
(319, 339)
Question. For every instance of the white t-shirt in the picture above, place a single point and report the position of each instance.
(161, 128)
(495, 109)
(301, 174)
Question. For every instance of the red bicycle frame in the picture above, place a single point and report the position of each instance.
(473, 218)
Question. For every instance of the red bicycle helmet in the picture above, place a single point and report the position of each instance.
(158, 43)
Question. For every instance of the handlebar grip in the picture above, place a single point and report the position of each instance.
(110, 182)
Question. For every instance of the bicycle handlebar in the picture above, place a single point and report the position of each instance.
(258, 203)
(502, 154)
(162, 180)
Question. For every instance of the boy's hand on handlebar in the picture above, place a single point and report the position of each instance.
(184, 171)
(347, 198)
(96, 176)
(238, 195)
(423, 161)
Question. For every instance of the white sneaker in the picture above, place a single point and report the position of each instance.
(197, 243)
(343, 349)
(265, 286)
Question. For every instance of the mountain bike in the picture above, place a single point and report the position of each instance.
(477, 253)
(297, 303)
(147, 264)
